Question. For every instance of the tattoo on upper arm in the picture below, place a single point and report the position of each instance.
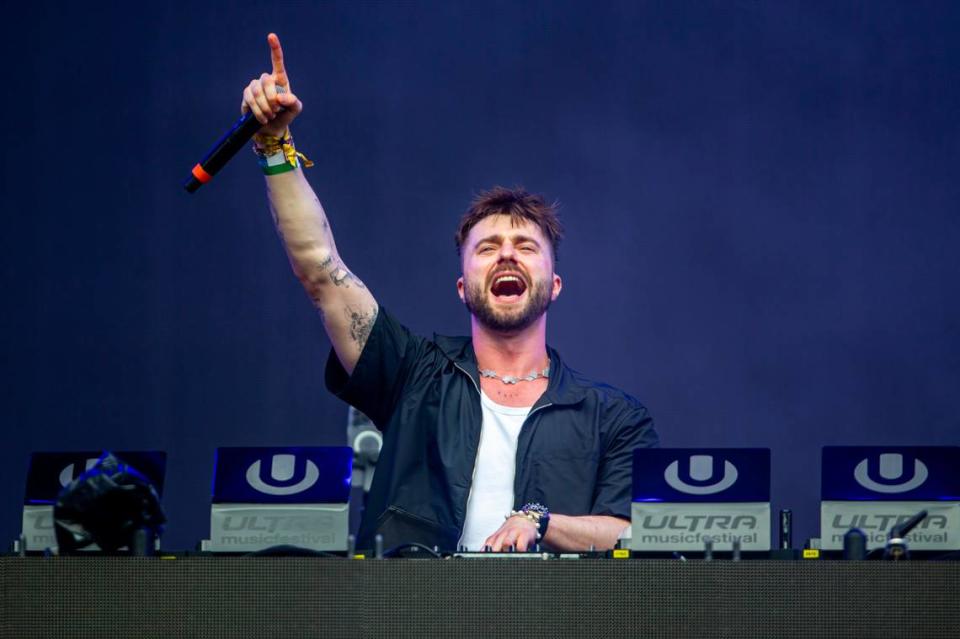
(343, 277)
(361, 323)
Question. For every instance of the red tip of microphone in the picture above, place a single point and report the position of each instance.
(198, 177)
(202, 176)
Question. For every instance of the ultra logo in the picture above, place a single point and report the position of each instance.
(701, 469)
(282, 467)
(890, 469)
(68, 474)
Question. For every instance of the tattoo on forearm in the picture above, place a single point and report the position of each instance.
(324, 265)
(361, 323)
(343, 277)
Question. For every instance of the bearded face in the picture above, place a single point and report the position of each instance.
(508, 280)
(507, 300)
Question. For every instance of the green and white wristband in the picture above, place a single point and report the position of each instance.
(277, 163)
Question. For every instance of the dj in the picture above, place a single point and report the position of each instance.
(489, 440)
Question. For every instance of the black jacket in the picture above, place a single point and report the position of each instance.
(574, 453)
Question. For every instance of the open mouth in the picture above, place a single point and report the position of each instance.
(508, 286)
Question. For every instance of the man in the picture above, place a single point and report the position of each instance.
(489, 441)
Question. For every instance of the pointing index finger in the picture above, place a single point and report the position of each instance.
(276, 56)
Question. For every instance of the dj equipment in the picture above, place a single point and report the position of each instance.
(876, 488)
(291, 496)
(684, 498)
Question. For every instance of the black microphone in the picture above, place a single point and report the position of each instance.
(897, 545)
(225, 148)
(901, 530)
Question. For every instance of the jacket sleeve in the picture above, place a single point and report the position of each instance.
(377, 382)
(614, 488)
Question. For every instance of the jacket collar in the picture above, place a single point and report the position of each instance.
(563, 386)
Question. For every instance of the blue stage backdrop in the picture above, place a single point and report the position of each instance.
(761, 201)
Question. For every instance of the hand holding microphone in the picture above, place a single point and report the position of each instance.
(268, 108)
(270, 98)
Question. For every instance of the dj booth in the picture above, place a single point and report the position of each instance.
(698, 560)
(579, 596)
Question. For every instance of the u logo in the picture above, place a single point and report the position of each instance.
(281, 470)
(701, 470)
(891, 468)
(67, 474)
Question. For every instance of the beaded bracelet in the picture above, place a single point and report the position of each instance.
(532, 517)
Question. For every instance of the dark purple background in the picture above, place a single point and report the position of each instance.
(761, 202)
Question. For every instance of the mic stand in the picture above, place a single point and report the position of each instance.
(896, 545)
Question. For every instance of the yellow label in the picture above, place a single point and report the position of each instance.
(811, 553)
(621, 553)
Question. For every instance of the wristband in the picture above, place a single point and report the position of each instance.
(277, 163)
(278, 155)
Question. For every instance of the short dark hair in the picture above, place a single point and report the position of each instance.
(520, 205)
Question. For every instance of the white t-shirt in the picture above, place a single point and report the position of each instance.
(491, 495)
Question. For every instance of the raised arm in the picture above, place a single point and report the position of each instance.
(347, 308)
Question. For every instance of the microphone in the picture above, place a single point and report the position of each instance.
(901, 530)
(225, 148)
(897, 545)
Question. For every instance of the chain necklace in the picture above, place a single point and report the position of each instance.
(510, 379)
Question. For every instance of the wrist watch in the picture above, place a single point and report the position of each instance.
(537, 513)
